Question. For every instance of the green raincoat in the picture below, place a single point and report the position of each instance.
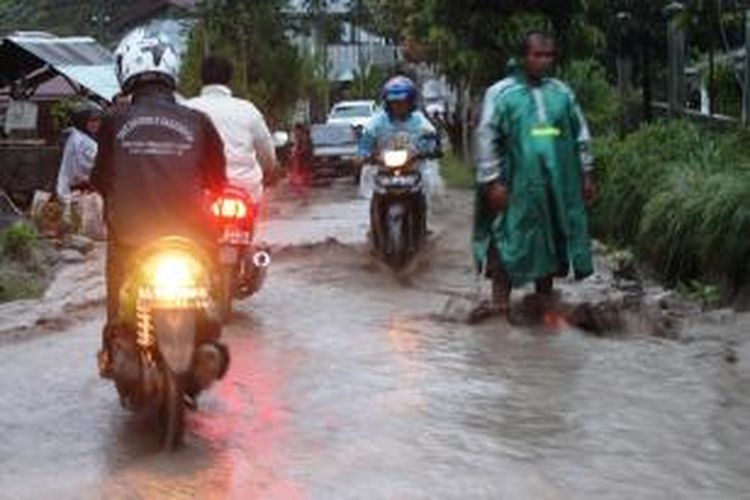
(535, 140)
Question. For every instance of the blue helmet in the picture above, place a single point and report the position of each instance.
(399, 88)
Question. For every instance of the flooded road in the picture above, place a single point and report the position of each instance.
(345, 384)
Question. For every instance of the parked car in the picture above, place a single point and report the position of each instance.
(334, 150)
(353, 113)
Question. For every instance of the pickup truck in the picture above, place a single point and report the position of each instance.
(334, 150)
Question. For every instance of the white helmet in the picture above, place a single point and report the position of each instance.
(145, 57)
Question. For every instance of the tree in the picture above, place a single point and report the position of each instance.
(268, 69)
(472, 40)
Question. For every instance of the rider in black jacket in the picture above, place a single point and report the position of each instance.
(155, 160)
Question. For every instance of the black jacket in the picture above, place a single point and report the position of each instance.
(155, 159)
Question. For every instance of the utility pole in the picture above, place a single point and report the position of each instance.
(624, 71)
(676, 60)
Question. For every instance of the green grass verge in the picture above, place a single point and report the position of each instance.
(456, 173)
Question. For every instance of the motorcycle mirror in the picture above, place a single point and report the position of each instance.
(280, 138)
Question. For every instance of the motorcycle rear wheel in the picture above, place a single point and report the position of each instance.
(173, 411)
(227, 293)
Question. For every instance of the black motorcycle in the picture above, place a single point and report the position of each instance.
(165, 349)
(398, 210)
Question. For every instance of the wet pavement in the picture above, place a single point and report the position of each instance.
(345, 383)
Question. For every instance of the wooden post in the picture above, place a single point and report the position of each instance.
(676, 60)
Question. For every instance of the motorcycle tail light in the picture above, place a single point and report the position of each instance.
(230, 208)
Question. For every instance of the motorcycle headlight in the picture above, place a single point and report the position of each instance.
(395, 158)
(174, 277)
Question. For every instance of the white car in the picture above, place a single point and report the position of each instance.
(354, 113)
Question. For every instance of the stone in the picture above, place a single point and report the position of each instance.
(70, 256)
(79, 243)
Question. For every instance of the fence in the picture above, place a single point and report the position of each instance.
(686, 92)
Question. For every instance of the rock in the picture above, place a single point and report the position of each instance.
(70, 256)
(667, 326)
(731, 356)
(597, 318)
(599, 248)
(719, 316)
(79, 243)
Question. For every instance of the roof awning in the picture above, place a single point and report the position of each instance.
(81, 60)
(101, 79)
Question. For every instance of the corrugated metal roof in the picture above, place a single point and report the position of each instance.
(65, 51)
(80, 59)
(99, 79)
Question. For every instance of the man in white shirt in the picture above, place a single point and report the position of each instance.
(248, 145)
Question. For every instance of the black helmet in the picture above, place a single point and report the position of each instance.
(82, 113)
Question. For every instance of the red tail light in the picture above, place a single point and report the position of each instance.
(233, 204)
(230, 208)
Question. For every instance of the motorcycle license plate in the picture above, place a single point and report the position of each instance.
(228, 255)
(399, 181)
(236, 237)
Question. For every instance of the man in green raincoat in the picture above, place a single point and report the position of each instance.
(534, 178)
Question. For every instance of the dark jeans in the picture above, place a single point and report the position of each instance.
(118, 256)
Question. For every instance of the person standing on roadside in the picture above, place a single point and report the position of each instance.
(534, 178)
(79, 152)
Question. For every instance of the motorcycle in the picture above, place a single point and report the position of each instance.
(398, 209)
(165, 349)
(243, 266)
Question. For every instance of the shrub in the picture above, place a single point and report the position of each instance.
(18, 242)
(680, 196)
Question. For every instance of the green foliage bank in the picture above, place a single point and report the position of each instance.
(680, 196)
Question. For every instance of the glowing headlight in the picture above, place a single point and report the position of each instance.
(174, 277)
(395, 158)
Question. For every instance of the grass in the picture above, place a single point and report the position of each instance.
(17, 283)
(680, 197)
(23, 269)
(456, 173)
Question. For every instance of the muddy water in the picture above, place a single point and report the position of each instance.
(344, 385)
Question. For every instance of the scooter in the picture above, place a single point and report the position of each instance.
(243, 265)
(165, 349)
(398, 209)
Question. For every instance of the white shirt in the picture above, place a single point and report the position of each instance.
(247, 141)
(77, 161)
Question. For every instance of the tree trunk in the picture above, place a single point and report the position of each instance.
(466, 121)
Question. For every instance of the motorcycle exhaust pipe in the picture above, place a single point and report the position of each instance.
(262, 259)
